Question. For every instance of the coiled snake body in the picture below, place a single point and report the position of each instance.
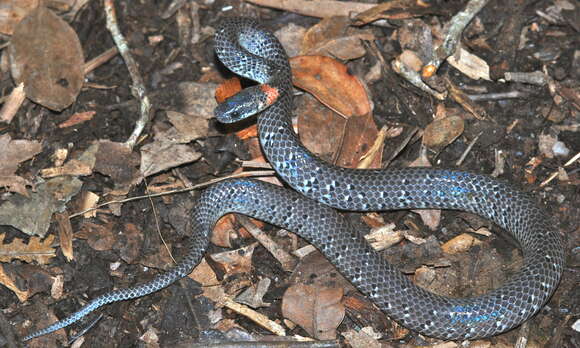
(251, 51)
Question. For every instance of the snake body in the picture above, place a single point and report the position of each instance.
(248, 49)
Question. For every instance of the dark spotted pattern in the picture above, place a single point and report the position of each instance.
(249, 50)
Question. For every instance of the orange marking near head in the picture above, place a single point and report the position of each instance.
(271, 93)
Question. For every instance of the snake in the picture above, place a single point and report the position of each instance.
(319, 188)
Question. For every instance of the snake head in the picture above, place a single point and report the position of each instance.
(246, 103)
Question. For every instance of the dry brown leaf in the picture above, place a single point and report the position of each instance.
(160, 259)
(130, 243)
(117, 161)
(235, 261)
(7, 281)
(99, 237)
(14, 152)
(205, 275)
(12, 12)
(329, 81)
(46, 55)
(335, 139)
(334, 37)
(162, 155)
(197, 99)
(317, 310)
(188, 127)
(443, 132)
(36, 250)
(321, 130)
(65, 235)
(14, 183)
(360, 134)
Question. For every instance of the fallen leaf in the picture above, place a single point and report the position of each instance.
(162, 155)
(99, 237)
(65, 235)
(81, 166)
(46, 55)
(234, 262)
(12, 12)
(364, 338)
(130, 243)
(15, 152)
(360, 135)
(36, 250)
(317, 310)
(334, 37)
(8, 282)
(160, 259)
(14, 183)
(197, 99)
(321, 130)
(32, 215)
(443, 132)
(117, 161)
(205, 275)
(188, 127)
(329, 81)
(25, 280)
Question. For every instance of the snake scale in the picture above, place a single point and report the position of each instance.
(248, 49)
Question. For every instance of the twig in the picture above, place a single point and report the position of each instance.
(187, 189)
(256, 317)
(286, 260)
(138, 87)
(467, 150)
(498, 96)
(157, 225)
(415, 79)
(100, 60)
(555, 174)
(533, 78)
(454, 30)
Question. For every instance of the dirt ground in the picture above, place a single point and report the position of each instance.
(529, 130)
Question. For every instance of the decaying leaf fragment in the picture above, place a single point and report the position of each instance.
(36, 250)
(46, 55)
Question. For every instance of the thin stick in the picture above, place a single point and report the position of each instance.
(138, 88)
(187, 189)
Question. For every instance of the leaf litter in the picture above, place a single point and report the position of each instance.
(177, 146)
